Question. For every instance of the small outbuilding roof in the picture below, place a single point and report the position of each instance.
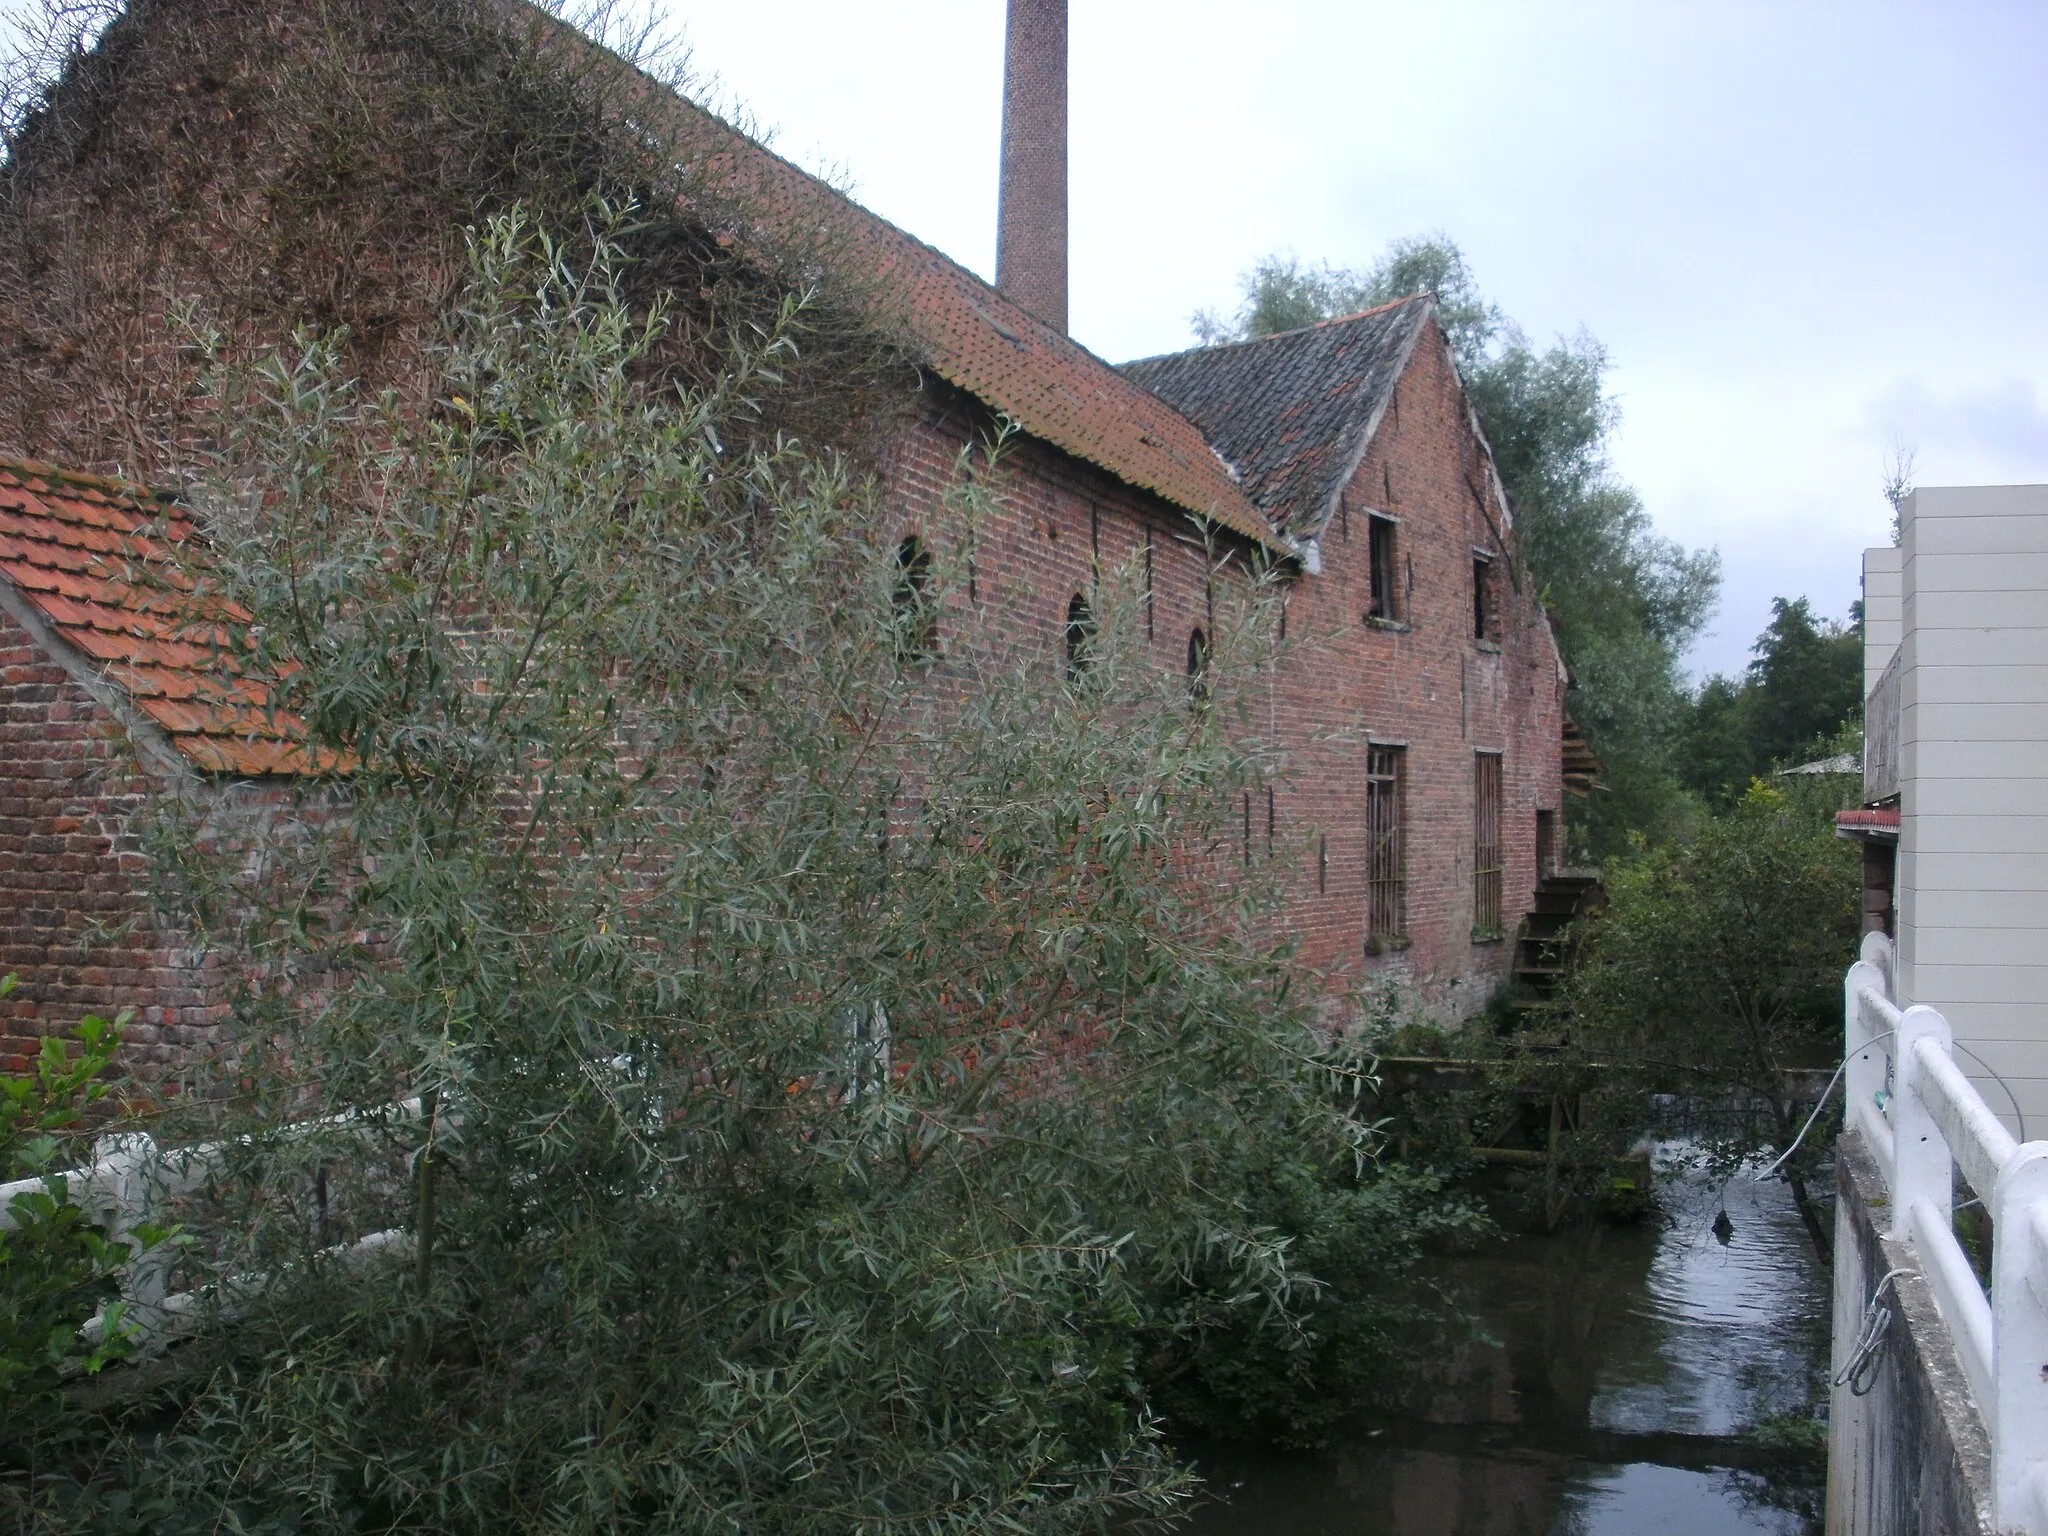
(97, 562)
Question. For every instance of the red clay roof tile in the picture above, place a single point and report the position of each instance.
(166, 652)
(964, 330)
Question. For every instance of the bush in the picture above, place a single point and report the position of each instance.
(834, 1066)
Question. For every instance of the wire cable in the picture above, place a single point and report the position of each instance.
(2015, 1098)
(1822, 1103)
(1859, 1375)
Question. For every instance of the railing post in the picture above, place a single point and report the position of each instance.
(1876, 950)
(129, 1174)
(1922, 1168)
(2018, 1417)
(1863, 1075)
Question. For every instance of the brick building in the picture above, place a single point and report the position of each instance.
(1347, 454)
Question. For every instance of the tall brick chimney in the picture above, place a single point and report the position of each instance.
(1031, 225)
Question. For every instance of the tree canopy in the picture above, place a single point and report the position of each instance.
(1803, 686)
(1627, 602)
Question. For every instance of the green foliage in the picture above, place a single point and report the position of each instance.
(1718, 964)
(1626, 601)
(1372, 1327)
(1803, 687)
(56, 1265)
(838, 1066)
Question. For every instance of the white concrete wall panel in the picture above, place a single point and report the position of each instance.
(1973, 866)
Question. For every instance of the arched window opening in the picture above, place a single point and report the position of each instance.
(1198, 664)
(1080, 635)
(911, 600)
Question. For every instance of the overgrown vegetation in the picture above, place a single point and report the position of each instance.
(1718, 966)
(267, 166)
(1626, 601)
(57, 1264)
(840, 1078)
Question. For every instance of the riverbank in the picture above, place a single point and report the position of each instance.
(1619, 1381)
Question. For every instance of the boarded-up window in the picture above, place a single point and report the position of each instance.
(1486, 844)
(1386, 872)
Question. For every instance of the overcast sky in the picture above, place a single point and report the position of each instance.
(1799, 228)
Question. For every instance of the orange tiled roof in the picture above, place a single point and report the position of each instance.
(95, 559)
(965, 330)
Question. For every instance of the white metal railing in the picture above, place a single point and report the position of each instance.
(1881, 724)
(132, 1181)
(1924, 1124)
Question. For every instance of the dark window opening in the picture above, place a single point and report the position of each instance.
(1386, 863)
(1198, 665)
(1380, 557)
(1080, 636)
(1323, 865)
(1482, 597)
(1546, 844)
(1151, 602)
(911, 600)
(1487, 859)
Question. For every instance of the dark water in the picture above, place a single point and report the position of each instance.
(1621, 1370)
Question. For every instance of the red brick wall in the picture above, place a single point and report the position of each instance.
(76, 926)
(1426, 683)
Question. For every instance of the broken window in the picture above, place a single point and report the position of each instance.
(1482, 596)
(915, 611)
(1380, 558)
(1080, 636)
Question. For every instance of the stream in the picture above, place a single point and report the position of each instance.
(1609, 1395)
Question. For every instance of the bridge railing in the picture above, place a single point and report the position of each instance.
(132, 1181)
(1925, 1125)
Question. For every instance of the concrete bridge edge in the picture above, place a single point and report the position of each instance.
(1912, 1457)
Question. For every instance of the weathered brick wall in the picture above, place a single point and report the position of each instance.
(76, 925)
(1426, 682)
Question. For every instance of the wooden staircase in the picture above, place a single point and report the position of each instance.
(1542, 940)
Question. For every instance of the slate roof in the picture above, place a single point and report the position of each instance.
(962, 328)
(1293, 413)
(95, 559)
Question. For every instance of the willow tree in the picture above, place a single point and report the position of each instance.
(831, 1055)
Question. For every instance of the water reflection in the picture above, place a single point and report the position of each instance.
(1618, 1369)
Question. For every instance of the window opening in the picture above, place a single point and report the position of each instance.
(1482, 597)
(1487, 858)
(916, 614)
(1386, 870)
(1546, 844)
(1323, 865)
(1198, 664)
(1080, 636)
(1380, 559)
(1151, 603)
